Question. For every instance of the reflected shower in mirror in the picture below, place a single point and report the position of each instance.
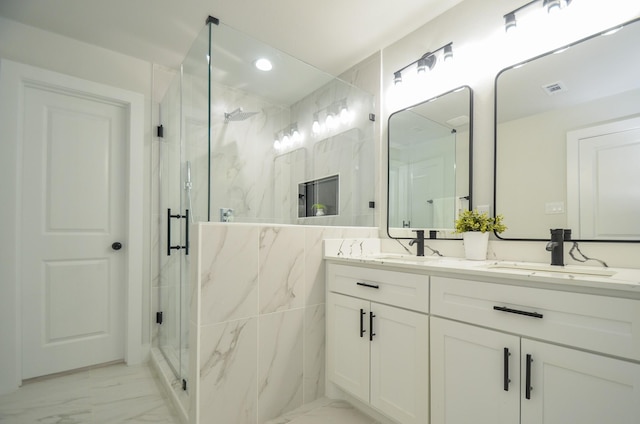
(429, 168)
(567, 140)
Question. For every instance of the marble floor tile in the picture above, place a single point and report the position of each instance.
(323, 411)
(111, 394)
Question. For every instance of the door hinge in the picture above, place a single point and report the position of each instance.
(372, 117)
(160, 131)
(158, 317)
(184, 384)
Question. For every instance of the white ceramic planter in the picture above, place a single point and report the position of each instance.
(475, 245)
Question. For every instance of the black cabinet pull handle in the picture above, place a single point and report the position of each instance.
(362, 314)
(528, 377)
(373, 286)
(371, 333)
(506, 369)
(517, 311)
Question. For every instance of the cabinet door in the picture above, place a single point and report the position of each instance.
(571, 386)
(400, 364)
(468, 372)
(348, 344)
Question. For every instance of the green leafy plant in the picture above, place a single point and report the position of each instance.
(318, 206)
(476, 221)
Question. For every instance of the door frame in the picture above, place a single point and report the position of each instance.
(13, 77)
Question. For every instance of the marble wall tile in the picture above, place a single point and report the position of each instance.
(314, 266)
(279, 363)
(228, 272)
(314, 353)
(281, 272)
(314, 254)
(228, 372)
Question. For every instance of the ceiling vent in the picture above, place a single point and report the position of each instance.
(554, 88)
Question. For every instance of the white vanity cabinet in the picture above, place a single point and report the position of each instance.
(378, 339)
(510, 354)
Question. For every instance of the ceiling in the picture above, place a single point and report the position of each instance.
(331, 35)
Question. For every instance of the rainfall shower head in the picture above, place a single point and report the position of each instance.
(238, 115)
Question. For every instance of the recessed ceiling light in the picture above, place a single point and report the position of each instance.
(264, 64)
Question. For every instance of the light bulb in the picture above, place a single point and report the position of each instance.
(345, 116)
(286, 141)
(509, 22)
(397, 78)
(295, 135)
(276, 144)
(330, 122)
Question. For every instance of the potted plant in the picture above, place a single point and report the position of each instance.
(319, 208)
(475, 228)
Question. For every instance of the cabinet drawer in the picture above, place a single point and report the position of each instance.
(403, 289)
(598, 323)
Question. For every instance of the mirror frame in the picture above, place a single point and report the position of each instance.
(495, 129)
(470, 182)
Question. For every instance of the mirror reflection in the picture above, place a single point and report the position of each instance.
(568, 141)
(429, 149)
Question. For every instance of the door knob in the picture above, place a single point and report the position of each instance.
(116, 246)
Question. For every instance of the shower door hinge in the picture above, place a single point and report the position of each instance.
(184, 384)
(160, 132)
(158, 317)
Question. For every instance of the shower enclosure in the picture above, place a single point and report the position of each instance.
(243, 144)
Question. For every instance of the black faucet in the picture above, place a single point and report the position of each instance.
(420, 240)
(556, 246)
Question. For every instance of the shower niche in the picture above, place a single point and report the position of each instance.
(319, 197)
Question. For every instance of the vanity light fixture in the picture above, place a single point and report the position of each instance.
(397, 78)
(426, 62)
(448, 53)
(550, 6)
(290, 136)
(510, 22)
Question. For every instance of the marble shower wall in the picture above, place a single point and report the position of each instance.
(257, 319)
(260, 183)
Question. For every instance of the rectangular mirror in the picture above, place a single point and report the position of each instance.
(567, 140)
(429, 168)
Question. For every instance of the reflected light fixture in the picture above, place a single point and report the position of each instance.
(550, 6)
(276, 141)
(295, 134)
(315, 127)
(344, 113)
(263, 64)
(425, 63)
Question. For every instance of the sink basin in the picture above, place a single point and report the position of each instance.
(567, 269)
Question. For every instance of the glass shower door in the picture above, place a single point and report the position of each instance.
(184, 188)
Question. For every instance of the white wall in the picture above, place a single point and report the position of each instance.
(21, 43)
(481, 49)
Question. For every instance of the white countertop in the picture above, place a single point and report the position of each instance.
(619, 282)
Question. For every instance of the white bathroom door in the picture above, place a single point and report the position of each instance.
(601, 163)
(74, 176)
